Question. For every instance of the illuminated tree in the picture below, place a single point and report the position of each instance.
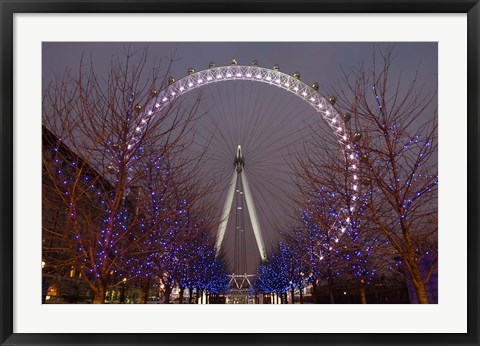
(393, 198)
(334, 219)
(92, 173)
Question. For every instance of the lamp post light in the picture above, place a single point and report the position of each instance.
(122, 296)
(300, 288)
(45, 284)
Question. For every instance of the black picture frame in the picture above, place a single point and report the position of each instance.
(10, 7)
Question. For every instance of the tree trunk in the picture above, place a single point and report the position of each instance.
(180, 301)
(301, 294)
(363, 293)
(168, 290)
(198, 295)
(292, 295)
(330, 289)
(122, 294)
(411, 265)
(145, 289)
(190, 295)
(331, 296)
(99, 293)
(417, 282)
(314, 292)
(45, 286)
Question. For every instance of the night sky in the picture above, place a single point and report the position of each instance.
(269, 123)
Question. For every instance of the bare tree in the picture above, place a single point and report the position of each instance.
(333, 216)
(394, 127)
(100, 135)
(386, 209)
(171, 197)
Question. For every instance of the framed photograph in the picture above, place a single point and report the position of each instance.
(239, 172)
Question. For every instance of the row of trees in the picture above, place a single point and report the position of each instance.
(122, 198)
(370, 208)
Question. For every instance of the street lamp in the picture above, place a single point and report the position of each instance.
(45, 284)
(122, 296)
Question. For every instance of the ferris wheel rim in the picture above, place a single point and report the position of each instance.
(293, 84)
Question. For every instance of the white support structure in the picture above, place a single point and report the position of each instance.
(253, 218)
(240, 174)
(225, 213)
